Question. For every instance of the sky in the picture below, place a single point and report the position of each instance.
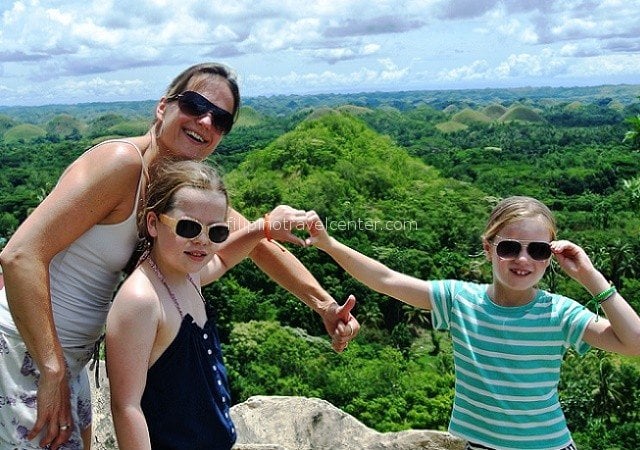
(78, 51)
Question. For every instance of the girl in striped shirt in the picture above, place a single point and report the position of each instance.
(509, 337)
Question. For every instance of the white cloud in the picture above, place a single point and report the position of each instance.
(353, 81)
(318, 44)
(334, 55)
(610, 65)
(475, 70)
(520, 66)
(575, 27)
(523, 65)
(568, 50)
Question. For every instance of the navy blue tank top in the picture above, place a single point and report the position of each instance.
(186, 400)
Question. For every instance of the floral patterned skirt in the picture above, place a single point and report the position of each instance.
(19, 387)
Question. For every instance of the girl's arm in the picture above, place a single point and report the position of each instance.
(132, 324)
(621, 332)
(368, 271)
(286, 270)
(98, 187)
(281, 222)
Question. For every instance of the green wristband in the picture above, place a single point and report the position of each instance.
(604, 295)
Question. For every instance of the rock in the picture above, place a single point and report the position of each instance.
(295, 423)
(288, 423)
(104, 437)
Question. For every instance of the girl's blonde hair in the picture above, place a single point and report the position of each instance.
(516, 208)
(169, 176)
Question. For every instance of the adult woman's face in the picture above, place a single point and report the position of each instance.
(184, 136)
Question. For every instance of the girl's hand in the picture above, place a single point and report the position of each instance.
(318, 235)
(573, 260)
(283, 221)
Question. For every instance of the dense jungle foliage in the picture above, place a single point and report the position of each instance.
(408, 178)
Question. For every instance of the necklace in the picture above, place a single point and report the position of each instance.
(163, 280)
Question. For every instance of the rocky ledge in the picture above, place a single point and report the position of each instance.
(289, 423)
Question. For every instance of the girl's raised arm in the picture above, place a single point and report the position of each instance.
(368, 271)
(620, 332)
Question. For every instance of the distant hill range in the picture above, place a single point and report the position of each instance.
(624, 94)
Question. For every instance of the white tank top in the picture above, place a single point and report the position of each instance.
(84, 276)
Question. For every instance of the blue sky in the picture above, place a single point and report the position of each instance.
(76, 51)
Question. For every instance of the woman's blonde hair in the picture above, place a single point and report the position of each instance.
(516, 208)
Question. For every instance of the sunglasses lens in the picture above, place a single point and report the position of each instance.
(188, 228)
(194, 104)
(539, 250)
(223, 121)
(508, 249)
(218, 233)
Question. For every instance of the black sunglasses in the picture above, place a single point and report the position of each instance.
(194, 104)
(191, 228)
(509, 249)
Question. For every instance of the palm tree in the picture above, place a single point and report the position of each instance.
(633, 135)
(416, 318)
(633, 186)
(615, 260)
(608, 394)
(621, 257)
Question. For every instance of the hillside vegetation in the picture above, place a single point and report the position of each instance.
(399, 177)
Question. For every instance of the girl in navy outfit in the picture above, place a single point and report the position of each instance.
(169, 387)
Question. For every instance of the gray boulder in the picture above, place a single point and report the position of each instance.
(288, 423)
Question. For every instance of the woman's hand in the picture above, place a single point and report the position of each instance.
(341, 325)
(54, 412)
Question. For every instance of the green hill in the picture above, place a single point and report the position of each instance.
(522, 114)
(129, 128)
(65, 126)
(23, 133)
(6, 123)
(573, 106)
(451, 126)
(346, 171)
(354, 110)
(248, 117)
(494, 111)
(469, 116)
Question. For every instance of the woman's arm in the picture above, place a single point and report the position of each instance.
(131, 330)
(286, 270)
(368, 271)
(621, 332)
(91, 191)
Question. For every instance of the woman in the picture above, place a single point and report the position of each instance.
(63, 263)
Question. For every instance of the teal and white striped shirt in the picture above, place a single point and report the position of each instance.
(507, 362)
